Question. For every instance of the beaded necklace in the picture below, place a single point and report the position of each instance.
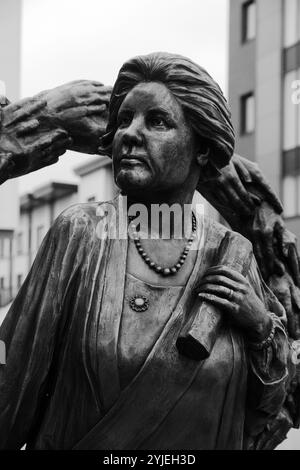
(156, 267)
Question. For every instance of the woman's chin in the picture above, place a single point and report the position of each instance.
(129, 182)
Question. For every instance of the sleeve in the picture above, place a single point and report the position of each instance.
(268, 368)
(29, 331)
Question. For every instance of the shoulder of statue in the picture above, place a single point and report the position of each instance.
(226, 243)
(78, 217)
(220, 231)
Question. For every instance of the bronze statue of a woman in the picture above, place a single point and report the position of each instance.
(92, 337)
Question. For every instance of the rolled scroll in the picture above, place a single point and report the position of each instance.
(199, 333)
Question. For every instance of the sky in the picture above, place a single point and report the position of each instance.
(65, 40)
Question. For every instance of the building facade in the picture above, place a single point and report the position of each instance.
(38, 210)
(96, 180)
(264, 69)
(10, 60)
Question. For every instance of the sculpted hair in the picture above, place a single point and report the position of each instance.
(201, 98)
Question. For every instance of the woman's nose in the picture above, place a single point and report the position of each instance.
(132, 135)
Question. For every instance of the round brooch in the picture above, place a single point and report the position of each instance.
(139, 303)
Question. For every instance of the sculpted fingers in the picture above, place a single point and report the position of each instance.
(27, 127)
(58, 146)
(284, 295)
(228, 272)
(216, 300)
(241, 169)
(70, 115)
(289, 247)
(295, 322)
(268, 244)
(267, 191)
(258, 252)
(293, 261)
(103, 91)
(220, 281)
(47, 140)
(236, 194)
(275, 432)
(261, 183)
(92, 99)
(51, 152)
(241, 191)
(24, 109)
(6, 166)
(215, 289)
(95, 109)
(85, 90)
(295, 296)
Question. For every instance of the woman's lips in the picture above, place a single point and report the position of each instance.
(132, 159)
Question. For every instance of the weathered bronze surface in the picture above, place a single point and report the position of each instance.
(86, 371)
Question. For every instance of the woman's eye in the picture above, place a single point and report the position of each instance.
(124, 121)
(158, 121)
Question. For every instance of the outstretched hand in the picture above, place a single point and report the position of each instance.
(24, 145)
(274, 433)
(81, 108)
(250, 174)
(229, 196)
(289, 296)
(274, 246)
(247, 202)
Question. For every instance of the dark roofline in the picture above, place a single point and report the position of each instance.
(92, 165)
(46, 194)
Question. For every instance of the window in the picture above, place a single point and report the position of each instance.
(289, 193)
(19, 280)
(291, 149)
(248, 21)
(2, 247)
(291, 37)
(290, 113)
(20, 243)
(291, 110)
(291, 58)
(291, 22)
(39, 235)
(247, 113)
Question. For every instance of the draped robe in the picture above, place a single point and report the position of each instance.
(61, 374)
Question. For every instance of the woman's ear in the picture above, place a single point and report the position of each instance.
(202, 158)
(208, 171)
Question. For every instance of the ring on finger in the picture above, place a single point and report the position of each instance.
(230, 294)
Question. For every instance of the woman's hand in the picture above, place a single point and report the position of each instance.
(266, 232)
(229, 196)
(289, 296)
(6, 166)
(233, 294)
(250, 174)
(80, 108)
(24, 145)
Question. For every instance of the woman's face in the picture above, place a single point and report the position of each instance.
(154, 146)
